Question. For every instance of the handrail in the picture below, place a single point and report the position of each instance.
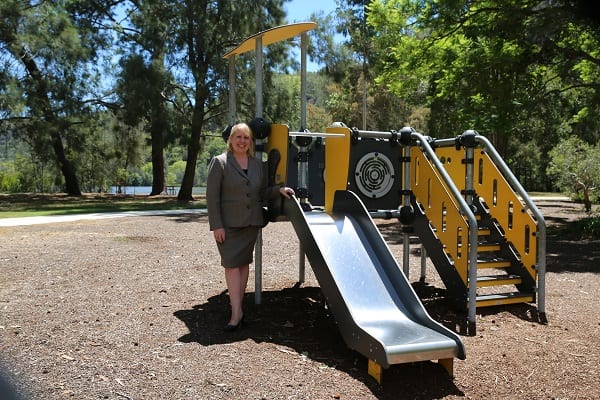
(472, 221)
(464, 208)
(495, 156)
(541, 223)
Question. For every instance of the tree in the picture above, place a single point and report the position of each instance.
(144, 77)
(203, 32)
(51, 60)
(141, 89)
(355, 98)
(576, 166)
(495, 66)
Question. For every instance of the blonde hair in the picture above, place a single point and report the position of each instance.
(244, 127)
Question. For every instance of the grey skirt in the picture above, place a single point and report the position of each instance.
(238, 248)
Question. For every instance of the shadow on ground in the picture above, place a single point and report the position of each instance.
(297, 318)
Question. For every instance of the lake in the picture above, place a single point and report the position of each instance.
(145, 190)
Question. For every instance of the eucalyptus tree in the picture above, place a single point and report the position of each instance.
(352, 64)
(50, 62)
(488, 61)
(203, 31)
(145, 77)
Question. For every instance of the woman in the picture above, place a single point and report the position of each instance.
(235, 191)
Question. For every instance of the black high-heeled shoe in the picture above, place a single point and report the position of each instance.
(233, 328)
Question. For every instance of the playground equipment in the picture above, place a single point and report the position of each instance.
(475, 222)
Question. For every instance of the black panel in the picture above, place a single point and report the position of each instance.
(375, 173)
(316, 168)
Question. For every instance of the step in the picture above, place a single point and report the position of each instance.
(484, 231)
(485, 247)
(493, 263)
(498, 280)
(489, 300)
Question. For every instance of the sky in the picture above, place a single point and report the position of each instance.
(300, 11)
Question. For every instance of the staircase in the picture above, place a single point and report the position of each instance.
(507, 251)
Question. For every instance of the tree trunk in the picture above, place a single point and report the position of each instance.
(158, 127)
(587, 202)
(66, 166)
(158, 169)
(158, 158)
(187, 184)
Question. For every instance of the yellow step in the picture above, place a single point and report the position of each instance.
(483, 247)
(484, 232)
(498, 280)
(489, 300)
(493, 263)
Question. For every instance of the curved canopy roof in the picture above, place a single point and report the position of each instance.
(272, 35)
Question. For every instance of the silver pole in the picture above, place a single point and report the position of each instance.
(259, 77)
(232, 103)
(303, 44)
(423, 264)
(302, 181)
(259, 113)
(406, 202)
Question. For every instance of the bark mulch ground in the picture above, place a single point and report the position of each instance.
(133, 308)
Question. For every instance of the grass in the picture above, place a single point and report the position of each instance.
(29, 205)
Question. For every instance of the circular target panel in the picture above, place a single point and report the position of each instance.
(374, 175)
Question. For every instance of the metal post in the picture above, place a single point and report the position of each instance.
(259, 113)
(406, 202)
(302, 181)
(405, 139)
(303, 44)
(259, 77)
(301, 264)
(422, 279)
(232, 103)
(467, 139)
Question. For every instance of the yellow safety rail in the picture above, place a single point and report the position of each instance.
(450, 226)
(503, 203)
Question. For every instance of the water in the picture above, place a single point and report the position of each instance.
(145, 190)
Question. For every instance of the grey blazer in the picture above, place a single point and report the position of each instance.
(235, 198)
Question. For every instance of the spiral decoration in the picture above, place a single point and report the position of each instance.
(374, 175)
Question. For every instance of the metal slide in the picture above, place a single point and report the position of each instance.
(377, 311)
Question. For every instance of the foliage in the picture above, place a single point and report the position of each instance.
(589, 227)
(51, 57)
(9, 177)
(512, 70)
(91, 89)
(575, 165)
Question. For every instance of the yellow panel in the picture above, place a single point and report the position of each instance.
(278, 139)
(272, 35)
(451, 159)
(507, 208)
(503, 203)
(375, 370)
(337, 163)
(439, 205)
(448, 364)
